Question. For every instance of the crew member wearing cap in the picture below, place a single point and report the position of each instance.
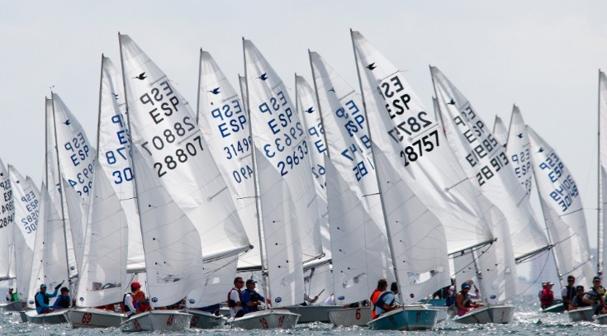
(463, 302)
(135, 301)
(63, 300)
(251, 300)
(595, 296)
(568, 292)
(12, 295)
(42, 299)
(546, 295)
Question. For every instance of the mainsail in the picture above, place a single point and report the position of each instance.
(518, 150)
(27, 201)
(359, 246)
(289, 213)
(499, 131)
(7, 218)
(224, 125)
(563, 211)
(186, 211)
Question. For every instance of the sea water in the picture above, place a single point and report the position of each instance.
(527, 321)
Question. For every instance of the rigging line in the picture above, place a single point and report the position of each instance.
(540, 274)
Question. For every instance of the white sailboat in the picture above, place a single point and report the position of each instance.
(360, 254)
(188, 218)
(563, 213)
(7, 224)
(112, 215)
(602, 182)
(27, 201)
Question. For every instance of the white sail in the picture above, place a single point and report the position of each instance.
(103, 278)
(187, 213)
(290, 214)
(49, 260)
(76, 164)
(224, 124)
(358, 235)
(26, 199)
(485, 162)
(602, 182)
(242, 83)
(499, 131)
(7, 218)
(410, 143)
(563, 211)
(518, 150)
(308, 111)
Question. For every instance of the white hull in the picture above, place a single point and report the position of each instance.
(499, 314)
(205, 320)
(581, 314)
(157, 320)
(94, 318)
(443, 313)
(348, 317)
(266, 319)
(12, 306)
(55, 317)
(601, 319)
(312, 313)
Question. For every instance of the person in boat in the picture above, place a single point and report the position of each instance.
(476, 294)
(394, 289)
(63, 300)
(135, 301)
(308, 301)
(251, 299)
(235, 298)
(463, 300)
(42, 299)
(386, 300)
(546, 295)
(596, 296)
(568, 292)
(12, 295)
(578, 300)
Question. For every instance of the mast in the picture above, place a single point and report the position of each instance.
(45, 142)
(599, 226)
(99, 106)
(61, 194)
(322, 123)
(264, 275)
(381, 195)
(198, 92)
(131, 145)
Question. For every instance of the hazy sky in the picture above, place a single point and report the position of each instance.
(542, 55)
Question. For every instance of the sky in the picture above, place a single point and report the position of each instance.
(542, 55)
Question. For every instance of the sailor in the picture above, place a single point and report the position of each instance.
(394, 289)
(578, 299)
(12, 296)
(235, 298)
(568, 292)
(463, 302)
(595, 296)
(42, 299)
(382, 285)
(546, 295)
(135, 301)
(386, 300)
(251, 299)
(63, 300)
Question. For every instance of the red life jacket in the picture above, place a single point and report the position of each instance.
(546, 297)
(374, 297)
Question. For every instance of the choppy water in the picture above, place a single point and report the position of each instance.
(527, 321)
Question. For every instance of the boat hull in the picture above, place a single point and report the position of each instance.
(581, 314)
(601, 319)
(443, 313)
(12, 306)
(94, 318)
(500, 314)
(348, 317)
(555, 308)
(312, 313)
(55, 317)
(157, 320)
(267, 319)
(406, 318)
(205, 320)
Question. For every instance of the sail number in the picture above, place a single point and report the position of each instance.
(418, 147)
(30, 222)
(566, 191)
(410, 126)
(292, 160)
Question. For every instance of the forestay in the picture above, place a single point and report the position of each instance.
(7, 217)
(224, 124)
(290, 212)
(485, 162)
(103, 278)
(49, 260)
(417, 207)
(563, 211)
(187, 213)
(360, 254)
(26, 200)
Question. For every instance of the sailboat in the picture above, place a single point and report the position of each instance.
(499, 131)
(7, 224)
(602, 182)
(360, 254)
(103, 278)
(563, 213)
(187, 216)
(287, 210)
(26, 202)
